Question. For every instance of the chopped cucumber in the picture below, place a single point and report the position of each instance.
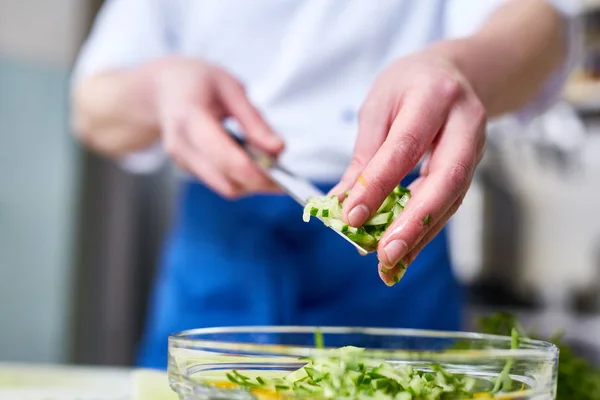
(380, 219)
(329, 210)
(346, 373)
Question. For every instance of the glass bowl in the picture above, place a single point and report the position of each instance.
(200, 359)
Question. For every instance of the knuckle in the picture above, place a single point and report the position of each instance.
(378, 186)
(408, 147)
(365, 113)
(447, 87)
(357, 163)
(460, 175)
(478, 112)
(371, 113)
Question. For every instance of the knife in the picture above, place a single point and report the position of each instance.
(295, 186)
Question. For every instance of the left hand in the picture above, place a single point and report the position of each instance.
(420, 105)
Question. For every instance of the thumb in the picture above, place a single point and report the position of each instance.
(257, 131)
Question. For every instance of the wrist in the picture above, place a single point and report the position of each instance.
(147, 83)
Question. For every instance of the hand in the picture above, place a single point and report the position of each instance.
(420, 105)
(192, 98)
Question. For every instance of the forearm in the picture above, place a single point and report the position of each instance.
(508, 61)
(113, 112)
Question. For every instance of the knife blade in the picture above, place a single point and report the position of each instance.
(296, 187)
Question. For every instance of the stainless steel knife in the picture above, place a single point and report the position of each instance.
(296, 187)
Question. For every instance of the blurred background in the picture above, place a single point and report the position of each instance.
(79, 238)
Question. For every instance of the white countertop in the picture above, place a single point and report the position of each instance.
(50, 382)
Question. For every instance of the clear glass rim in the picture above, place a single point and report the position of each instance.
(192, 339)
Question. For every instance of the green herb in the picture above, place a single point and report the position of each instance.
(426, 219)
(319, 343)
(503, 381)
(577, 378)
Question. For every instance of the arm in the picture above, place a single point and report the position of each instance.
(511, 57)
(111, 93)
(182, 102)
(129, 92)
(113, 112)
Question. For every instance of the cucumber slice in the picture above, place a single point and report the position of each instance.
(339, 225)
(380, 219)
(396, 210)
(387, 204)
(404, 199)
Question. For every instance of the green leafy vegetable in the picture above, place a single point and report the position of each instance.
(577, 378)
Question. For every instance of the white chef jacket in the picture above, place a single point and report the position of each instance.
(307, 64)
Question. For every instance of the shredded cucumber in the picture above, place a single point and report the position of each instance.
(346, 374)
(329, 210)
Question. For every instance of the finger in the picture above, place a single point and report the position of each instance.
(432, 233)
(416, 184)
(413, 187)
(207, 173)
(411, 133)
(373, 126)
(391, 276)
(188, 157)
(256, 129)
(220, 150)
(451, 168)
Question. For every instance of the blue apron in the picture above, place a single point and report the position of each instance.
(255, 262)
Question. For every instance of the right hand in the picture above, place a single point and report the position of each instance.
(192, 98)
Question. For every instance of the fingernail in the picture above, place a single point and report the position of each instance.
(395, 250)
(385, 267)
(399, 275)
(383, 274)
(358, 215)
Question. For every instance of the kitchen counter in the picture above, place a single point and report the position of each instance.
(49, 382)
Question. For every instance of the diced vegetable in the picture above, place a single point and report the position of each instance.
(347, 374)
(329, 210)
